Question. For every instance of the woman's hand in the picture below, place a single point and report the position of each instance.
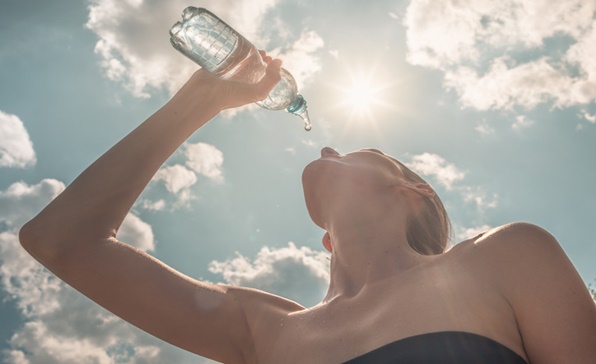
(226, 94)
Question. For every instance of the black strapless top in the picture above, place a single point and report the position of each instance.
(447, 347)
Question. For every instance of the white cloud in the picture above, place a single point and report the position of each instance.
(522, 122)
(158, 205)
(461, 38)
(16, 149)
(202, 158)
(134, 44)
(137, 233)
(505, 86)
(473, 24)
(480, 198)
(135, 50)
(301, 274)
(53, 348)
(176, 177)
(62, 326)
(589, 117)
(436, 166)
(205, 159)
(20, 201)
(301, 59)
(450, 177)
(583, 54)
(484, 128)
(463, 233)
(25, 280)
(309, 143)
(393, 15)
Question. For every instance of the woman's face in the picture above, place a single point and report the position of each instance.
(347, 180)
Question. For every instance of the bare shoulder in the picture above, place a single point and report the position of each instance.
(518, 233)
(509, 241)
(555, 314)
(509, 255)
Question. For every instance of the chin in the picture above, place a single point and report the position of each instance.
(319, 188)
(313, 194)
(310, 175)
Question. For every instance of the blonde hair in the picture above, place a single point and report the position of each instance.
(429, 232)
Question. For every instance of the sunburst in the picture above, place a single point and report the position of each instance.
(363, 95)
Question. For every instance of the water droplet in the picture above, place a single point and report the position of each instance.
(306, 118)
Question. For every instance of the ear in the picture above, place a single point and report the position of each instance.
(425, 190)
(327, 242)
(422, 189)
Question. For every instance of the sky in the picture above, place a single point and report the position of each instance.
(494, 103)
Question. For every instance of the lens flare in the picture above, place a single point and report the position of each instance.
(361, 96)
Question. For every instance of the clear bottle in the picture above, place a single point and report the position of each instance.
(216, 47)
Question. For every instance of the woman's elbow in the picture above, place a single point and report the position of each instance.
(39, 244)
(27, 236)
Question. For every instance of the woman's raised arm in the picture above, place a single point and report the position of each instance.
(74, 236)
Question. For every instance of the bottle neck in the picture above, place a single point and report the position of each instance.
(298, 106)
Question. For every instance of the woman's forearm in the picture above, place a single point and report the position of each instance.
(94, 205)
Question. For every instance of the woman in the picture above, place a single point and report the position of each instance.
(509, 295)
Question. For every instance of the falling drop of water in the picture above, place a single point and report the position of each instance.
(307, 125)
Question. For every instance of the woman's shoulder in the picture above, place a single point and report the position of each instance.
(519, 247)
(527, 267)
(518, 230)
(512, 238)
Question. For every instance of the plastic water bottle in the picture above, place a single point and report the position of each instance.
(215, 46)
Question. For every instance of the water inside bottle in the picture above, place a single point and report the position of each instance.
(299, 108)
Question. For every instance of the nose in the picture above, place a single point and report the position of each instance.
(329, 152)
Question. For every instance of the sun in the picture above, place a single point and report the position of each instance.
(362, 96)
(367, 95)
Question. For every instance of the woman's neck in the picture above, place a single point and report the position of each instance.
(363, 257)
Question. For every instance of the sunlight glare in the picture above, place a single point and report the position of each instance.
(367, 95)
(361, 95)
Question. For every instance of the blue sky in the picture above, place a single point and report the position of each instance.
(492, 102)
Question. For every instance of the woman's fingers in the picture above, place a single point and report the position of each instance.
(265, 57)
(234, 93)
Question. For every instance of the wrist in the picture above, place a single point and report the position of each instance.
(195, 102)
